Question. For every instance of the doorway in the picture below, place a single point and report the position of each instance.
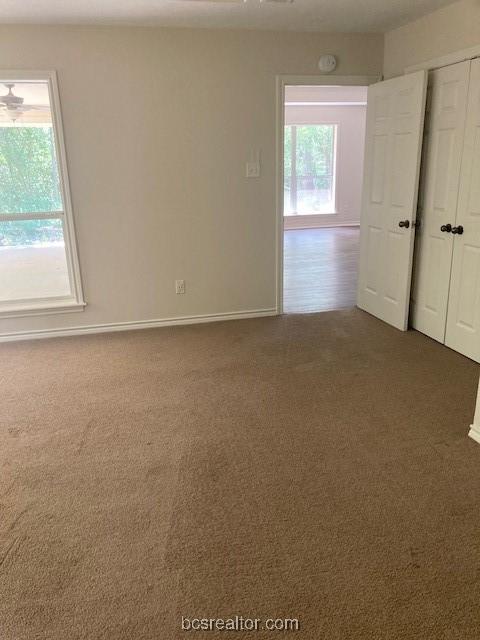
(323, 135)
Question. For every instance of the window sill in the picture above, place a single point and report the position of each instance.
(40, 309)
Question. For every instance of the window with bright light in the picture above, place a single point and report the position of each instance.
(309, 169)
(38, 262)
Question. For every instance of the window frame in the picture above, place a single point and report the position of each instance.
(53, 304)
(336, 133)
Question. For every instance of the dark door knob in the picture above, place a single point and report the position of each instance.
(446, 228)
(458, 230)
(404, 223)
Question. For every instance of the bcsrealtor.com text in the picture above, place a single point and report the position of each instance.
(240, 623)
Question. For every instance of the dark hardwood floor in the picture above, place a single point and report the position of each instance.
(320, 269)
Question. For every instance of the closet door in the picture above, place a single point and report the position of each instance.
(443, 140)
(393, 143)
(463, 317)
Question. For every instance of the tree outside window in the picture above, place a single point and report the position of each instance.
(309, 169)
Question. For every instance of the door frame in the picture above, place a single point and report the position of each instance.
(283, 81)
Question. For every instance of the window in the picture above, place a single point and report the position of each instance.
(38, 262)
(309, 171)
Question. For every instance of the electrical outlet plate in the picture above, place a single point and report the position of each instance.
(179, 287)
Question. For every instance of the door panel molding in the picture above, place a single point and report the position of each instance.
(463, 318)
(395, 116)
(438, 197)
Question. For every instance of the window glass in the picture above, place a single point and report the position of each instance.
(309, 169)
(33, 251)
(33, 261)
(28, 170)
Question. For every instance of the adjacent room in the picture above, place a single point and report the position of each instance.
(239, 319)
(324, 136)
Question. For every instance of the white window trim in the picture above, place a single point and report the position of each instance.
(75, 302)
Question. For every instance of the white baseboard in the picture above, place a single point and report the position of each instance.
(313, 224)
(474, 432)
(130, 326)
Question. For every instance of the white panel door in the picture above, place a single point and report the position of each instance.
(393, 143)
(463, 316)
(440, 177)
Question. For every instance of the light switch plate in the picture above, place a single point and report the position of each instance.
(253, 169)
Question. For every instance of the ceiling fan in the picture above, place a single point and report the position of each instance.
(14, 105)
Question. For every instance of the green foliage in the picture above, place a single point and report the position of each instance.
(30, 232)
(315, 154)
(28, 183)
(28, 170)
(315, 146)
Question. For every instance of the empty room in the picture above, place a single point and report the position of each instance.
(239, 319)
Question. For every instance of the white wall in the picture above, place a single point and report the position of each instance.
(158, 126)
(350, 145)
(455, 27)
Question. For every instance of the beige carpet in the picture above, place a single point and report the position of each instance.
(313, 467)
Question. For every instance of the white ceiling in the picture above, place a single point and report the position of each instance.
(302, 15)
